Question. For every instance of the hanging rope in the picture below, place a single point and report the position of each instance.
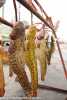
(15, 7)
(3, 11)
(40, 17)
(29, 7)
(19, 11)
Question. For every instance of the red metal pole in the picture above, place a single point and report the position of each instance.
(15, 7)
(41, 8)
(5, 22)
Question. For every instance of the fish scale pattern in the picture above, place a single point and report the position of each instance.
(31, 59)
(16, 62)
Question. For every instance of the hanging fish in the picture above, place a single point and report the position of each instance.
(51, 50)
(31, 59)
(43, 58)
(16, 56)
(41, 54)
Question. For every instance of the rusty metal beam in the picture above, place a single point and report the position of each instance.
(29, 7)
(3, 21)
(41, 8)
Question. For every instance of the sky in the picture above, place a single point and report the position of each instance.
(54, 8)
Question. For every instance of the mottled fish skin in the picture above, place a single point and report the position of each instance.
(31, 59)
(41, 54)
(2, 80)
(43, 59)
(50, 50)
(16, 58)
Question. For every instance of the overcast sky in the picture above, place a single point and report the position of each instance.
(54, 8)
